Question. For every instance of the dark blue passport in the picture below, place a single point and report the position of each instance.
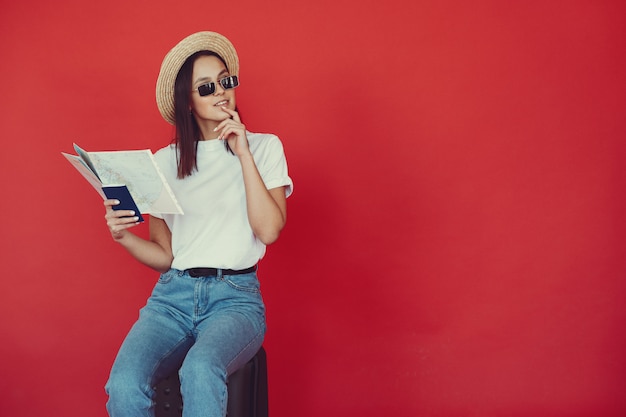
(121, 193)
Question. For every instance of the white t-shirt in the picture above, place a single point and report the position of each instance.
(215, 231)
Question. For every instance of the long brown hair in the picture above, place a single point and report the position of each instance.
(187, 130)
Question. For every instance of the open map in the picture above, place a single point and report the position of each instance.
(137, 170)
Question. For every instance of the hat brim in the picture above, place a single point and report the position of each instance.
(176, 57)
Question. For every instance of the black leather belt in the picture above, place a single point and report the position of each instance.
(213, 272)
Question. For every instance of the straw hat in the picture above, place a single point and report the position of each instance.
(174, 60)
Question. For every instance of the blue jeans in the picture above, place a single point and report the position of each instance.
(208, 327)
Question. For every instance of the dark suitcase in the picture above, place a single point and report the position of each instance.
(247, 391)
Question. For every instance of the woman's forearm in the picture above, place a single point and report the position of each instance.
(267, 209)
(148, 252)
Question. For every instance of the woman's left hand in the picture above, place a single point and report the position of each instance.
(233, 131)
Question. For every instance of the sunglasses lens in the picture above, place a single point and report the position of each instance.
(206, 89)
(229, 82)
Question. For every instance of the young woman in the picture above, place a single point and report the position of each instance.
(205, 315)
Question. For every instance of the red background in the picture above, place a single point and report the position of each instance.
(455, 244)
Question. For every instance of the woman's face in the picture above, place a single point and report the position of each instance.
(207, 109)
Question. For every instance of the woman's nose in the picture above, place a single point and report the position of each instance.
(219, 90)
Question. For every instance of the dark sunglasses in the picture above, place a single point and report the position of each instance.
(209, 88)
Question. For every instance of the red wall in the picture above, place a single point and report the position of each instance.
(455, 244)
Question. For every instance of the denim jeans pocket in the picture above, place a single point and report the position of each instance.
(166, 277)
(246, 282)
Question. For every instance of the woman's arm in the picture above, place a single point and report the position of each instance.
(267, 209)
(155, 252)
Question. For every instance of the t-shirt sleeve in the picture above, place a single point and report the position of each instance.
(272, 166)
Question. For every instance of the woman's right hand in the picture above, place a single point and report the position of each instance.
(119, 221)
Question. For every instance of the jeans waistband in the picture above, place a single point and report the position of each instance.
(213, 272)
